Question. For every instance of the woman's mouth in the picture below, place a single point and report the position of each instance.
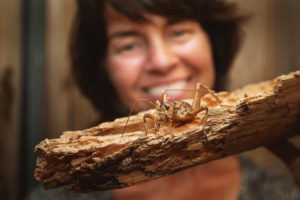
(179, 86)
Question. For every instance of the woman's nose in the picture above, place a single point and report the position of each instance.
(161, 56)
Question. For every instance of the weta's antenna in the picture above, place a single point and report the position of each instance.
(187, 90)
(131, 110)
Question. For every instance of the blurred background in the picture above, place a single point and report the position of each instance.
(39, 99)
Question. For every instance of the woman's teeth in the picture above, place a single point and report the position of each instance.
(157, 91)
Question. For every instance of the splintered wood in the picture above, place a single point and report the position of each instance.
(99, 158)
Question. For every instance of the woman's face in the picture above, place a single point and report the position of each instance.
(145, 59)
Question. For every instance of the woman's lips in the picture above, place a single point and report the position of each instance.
(156, 91)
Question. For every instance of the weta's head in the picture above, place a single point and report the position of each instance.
(162, 107)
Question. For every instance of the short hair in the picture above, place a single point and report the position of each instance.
(218, 18)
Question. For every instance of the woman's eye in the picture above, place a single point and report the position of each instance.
(178, 33)
(126, 45)
(130, 47)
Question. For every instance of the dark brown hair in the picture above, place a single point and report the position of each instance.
(88, 45)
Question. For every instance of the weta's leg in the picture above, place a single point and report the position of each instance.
(197, 99)
(157, 105)
(164, 97)
(212, 93)
(149, 116)
(170, 123)
(204, 120)
(195, 112)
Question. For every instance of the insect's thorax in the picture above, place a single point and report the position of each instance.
(177, 112)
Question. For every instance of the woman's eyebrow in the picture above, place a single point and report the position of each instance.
(172, 21)
(121, 34)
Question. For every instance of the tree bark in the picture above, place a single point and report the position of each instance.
(100, 158)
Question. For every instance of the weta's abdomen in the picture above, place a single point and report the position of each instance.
(182, 112)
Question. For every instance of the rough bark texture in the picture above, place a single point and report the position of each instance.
(100, 158)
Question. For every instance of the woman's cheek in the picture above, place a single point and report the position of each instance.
(197, 55)
(197, 51)
(125, 72)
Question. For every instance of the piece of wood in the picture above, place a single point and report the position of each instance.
(100, 158)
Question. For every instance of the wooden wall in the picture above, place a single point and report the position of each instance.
(65, 108)
(271, 45)
(255, 61)
(10, 98)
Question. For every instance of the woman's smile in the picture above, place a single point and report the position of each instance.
(157, 90)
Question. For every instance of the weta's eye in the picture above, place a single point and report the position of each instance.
(166, 106)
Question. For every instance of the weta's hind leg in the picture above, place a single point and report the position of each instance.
(204, 120)
(197, 99)
(212, 93)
